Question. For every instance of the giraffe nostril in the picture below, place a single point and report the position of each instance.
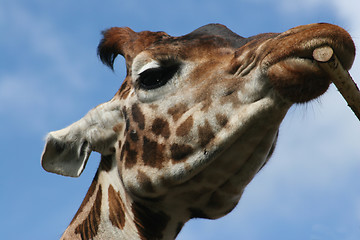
(59, 148)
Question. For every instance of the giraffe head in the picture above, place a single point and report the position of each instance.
(197, 116)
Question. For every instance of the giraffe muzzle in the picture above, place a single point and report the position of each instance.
(293, 71)
(67, 151)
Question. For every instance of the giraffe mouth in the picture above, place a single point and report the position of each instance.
(298, 79)
(291, 67)
(302, 63)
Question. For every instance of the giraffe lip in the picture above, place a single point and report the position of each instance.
(306, 65)
(308, 61)
(301, 41)
(303, 60)
(298, 79)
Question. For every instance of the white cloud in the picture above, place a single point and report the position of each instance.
(45, 75)
(28, 105)
(348, 11)
(34, 36)
(19, 92)
(292, 6)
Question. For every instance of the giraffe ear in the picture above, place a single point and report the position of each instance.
(125, 42)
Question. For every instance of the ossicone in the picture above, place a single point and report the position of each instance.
(126, 42)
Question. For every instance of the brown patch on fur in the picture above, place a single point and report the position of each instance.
(106, 163)
(145, 181)
(221, 119)
(153, 153)
(154, 106)
(206, 105)
(123, 85)
(89, 193)
(134, 136)
(116, 208)
(150, 223)
(138, 116)
(127, 121)
(177, 111)
(185, 127)
(205, 134)
(124, 90)
(89, 227)
(204, 96)
(130, 155)
(161, 127)
(230, 97)
(118, 128)
(125, 94)
(180, 152)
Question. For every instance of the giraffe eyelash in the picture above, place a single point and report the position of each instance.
(155, 75)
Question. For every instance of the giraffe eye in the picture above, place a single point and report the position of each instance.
(153, 78)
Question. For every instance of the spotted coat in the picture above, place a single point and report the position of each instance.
(193, 122)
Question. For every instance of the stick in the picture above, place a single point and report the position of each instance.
(339, 76)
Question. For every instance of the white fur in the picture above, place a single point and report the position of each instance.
(67, 151)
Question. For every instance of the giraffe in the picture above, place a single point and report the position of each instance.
(194, 121)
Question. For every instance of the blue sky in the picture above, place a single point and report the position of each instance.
(50, 77)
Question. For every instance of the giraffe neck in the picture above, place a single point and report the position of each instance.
(109, 212)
